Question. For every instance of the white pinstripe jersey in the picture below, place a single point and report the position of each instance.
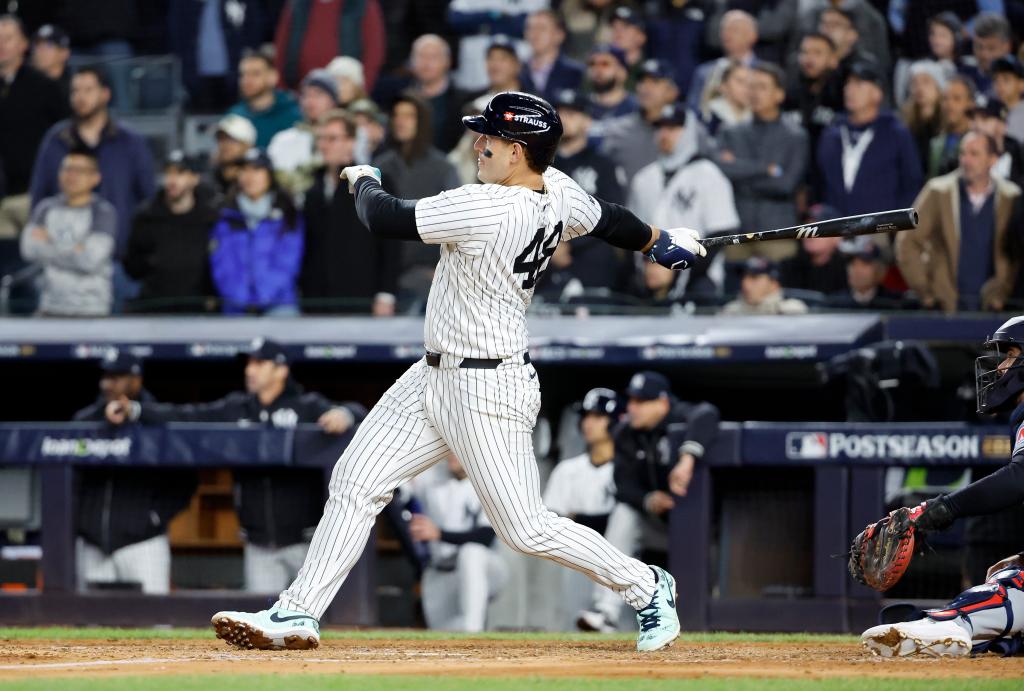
(495, 241)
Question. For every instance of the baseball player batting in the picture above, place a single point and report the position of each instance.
(475, 393)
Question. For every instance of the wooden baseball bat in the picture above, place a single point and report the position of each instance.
(849, 226)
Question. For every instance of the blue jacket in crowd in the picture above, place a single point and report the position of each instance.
(889, 176)
(256, 269)
(126, 167)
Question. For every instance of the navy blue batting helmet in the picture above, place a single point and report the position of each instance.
(602, 402)
(999, 389)
(523, 118)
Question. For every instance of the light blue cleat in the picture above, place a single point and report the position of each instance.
(658, 621)
(271, 629)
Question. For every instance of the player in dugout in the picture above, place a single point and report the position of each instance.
(657, 447)
(988, 617)
(583, 487)
(278, 508)
(122, 513)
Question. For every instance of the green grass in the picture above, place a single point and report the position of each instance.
(86, 633)
(316, 682)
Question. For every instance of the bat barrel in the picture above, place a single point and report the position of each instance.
(849, 226)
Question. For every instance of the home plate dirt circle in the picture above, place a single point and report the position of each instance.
(494, 658)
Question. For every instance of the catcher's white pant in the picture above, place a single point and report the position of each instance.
(992, 610)
(484, 416)
(456, 600)
(147, 563)
(271, 569)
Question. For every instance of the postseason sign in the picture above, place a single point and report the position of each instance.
(887, 444)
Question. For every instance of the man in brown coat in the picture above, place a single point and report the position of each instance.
(955, 259)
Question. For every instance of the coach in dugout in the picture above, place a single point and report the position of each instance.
(122, 513)
(278, 508)
(656, 449)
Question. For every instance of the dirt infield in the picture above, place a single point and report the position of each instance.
(605, 659)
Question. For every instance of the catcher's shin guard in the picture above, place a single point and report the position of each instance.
(993, 612)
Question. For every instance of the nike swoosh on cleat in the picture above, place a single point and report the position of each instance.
(279, 620)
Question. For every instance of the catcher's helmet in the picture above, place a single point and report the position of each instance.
(523, 118)
(999, 389)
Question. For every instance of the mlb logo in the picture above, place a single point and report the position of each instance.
(813, 445)
(1018, 443)
(509, 116)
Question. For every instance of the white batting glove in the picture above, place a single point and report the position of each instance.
(353, 173)
(676, 248)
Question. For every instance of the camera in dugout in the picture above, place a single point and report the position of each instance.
(278, 508)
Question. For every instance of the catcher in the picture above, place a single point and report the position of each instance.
(987, 617)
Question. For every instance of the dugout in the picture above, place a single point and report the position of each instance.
(813, 483)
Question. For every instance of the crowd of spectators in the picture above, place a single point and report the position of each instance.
(722, 115)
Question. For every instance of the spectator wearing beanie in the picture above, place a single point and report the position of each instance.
(922, 111)
(167, 250)
(348, 73)
(293, 151)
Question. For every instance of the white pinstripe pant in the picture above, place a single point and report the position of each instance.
(486, 418)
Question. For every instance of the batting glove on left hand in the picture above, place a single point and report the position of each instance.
(676, 248)
(353, 173)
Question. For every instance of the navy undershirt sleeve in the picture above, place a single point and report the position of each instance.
(620, 227)
(1000, 490)
(384, 214)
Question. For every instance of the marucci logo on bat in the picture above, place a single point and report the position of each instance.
(807, 232)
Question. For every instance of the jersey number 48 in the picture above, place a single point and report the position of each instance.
(534, 259)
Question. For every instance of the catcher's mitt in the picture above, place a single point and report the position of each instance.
(881, 553)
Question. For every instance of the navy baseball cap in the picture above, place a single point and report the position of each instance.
(609, 49)
(258, 158)
(571, 99)
(1008, 63)
(656, 69)
(182, 161)
(672, 115)
(866, 71)
(600, 401)
(263, 349)
(755, 266)
(648, 385)
(117, 362)
(503, 42)
(990, 107)
(628, 15)
(860, 248)
(51, 33)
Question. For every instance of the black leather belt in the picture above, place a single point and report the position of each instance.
(434, 360)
